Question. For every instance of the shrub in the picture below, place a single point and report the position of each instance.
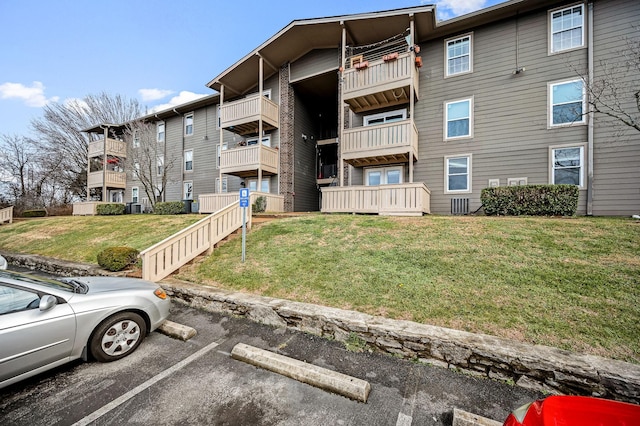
(531, 200)
(169, 207)
(117, 258)
(110, 209)
(34, 213)
(260, 205)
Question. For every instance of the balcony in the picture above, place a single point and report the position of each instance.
(405, 199)
(114, 147)
(381, 83)
(381, 144)
(242, 116)
(245, 161)
(113, 179)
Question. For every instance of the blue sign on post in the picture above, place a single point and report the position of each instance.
(244, 197)
(244, 203)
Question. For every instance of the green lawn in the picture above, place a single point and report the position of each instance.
(571, 283)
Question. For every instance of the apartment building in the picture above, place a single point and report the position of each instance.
(393, 112)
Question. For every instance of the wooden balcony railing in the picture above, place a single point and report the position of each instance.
(406, 199)
(114, 147)
(113, 179)
(244, 161)
(392, 140)
(242, 116)
(381, 83)
(6, 215)
(210, 203)
(162, 259)
(87, 208)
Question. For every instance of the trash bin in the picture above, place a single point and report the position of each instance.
(127, 208)
(187, 206)
(194, 207)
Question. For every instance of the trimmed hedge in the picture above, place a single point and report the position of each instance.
(169, 207)
(110, 209)
(34, 213)
(117, 258)
(531, 200)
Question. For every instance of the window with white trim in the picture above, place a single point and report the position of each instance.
(458, 119)
(383, 175)
(385, 117)
(266, 141)
(136, 170)
(567, 28)
(457, 172)
(160, 165)
(136, 139)
(187, 190)
(459, 55)
(160, 132)
(253, 185)
(224, 184)
(567, 103)
(135, 194)
(188, 160)
(188, 124)
(567, 165)
(224, 148)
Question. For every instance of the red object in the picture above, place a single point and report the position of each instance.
(575, 411)
(390, 57)
(362, 65)
(418, 62)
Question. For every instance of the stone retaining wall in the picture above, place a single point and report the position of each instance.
(531, 366)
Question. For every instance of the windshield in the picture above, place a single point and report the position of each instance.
(70, 286)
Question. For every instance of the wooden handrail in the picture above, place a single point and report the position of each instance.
(6, 215)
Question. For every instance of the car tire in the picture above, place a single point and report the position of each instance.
(117, 336)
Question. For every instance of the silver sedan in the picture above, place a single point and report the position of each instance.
(45, 323)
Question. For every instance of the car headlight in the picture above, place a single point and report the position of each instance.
(160, 293)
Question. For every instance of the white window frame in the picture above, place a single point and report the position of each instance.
(160, 165)
(135, 195)
(551, 32)
(384, 174)
(187, 184)
(188, 160)
(136, 170)
(447, 74)
(254, 181)
(136, 139)
(468, 190)
(225, 184)
(266, 141)
(161, 130)
(446, 119)
(225, 146)
(385, 117)
(583, 164)
(551, 104)
(188, 124)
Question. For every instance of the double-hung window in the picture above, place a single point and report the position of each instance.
(459, 55)
(264, 185)
(567, 165)
(187, 190)
(567, 103)
(160, 132)
(188, 124)
(459, 119)
(135, 194)
(567, 28)
(383, 175)
(385, 117)
(136, 138)
(224, 185)
(188, 160)
(457, 171)
(160, 164)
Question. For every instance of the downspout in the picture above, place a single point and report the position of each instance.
(590, 126)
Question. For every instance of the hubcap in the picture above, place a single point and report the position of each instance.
(120, 338)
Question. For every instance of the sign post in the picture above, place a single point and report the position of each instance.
(244, 203)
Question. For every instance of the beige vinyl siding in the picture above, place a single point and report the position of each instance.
(204, 151)
(174, 134)
(316, 62)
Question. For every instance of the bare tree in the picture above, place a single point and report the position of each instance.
(58, 133)
(147, 160)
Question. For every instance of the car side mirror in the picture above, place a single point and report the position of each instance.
(3, 263)
(47, 302)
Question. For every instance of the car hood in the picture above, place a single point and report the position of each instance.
(106, 284)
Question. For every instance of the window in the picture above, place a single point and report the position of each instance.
(458, 173)
(136, 170)
(160, 132)
(224, 184)
(567, 165)
(160, 164)
(458, 119)
(567, 28)
(15, 300)
(117, 196)
(568, 103)
(135, 194)
(187, 190)
(266, 141)
(458, 52)
(188, 160)
(385, 117)
(383, 176)
(136, 139)
(188, 124)
(224, 148)
(253, 184)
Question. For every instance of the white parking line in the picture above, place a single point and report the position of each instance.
(124, 398)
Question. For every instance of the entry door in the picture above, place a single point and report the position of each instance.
(383, 176)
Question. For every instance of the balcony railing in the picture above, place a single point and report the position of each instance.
(380, 144)
(245, 161)
(6, 215)
(405, 199)
(381, 83)
(87, 208)
(114, 147)
(210, 203)
(242, 116)
(113, 179)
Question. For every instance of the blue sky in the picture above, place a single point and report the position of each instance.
(161, 52)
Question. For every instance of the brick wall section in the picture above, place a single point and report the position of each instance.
(531, 366)
(286, 139)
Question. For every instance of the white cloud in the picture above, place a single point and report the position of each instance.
(448, 9)
(154, 94)
(182, 98)
(32, 96)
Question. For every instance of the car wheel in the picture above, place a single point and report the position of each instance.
(117, 336)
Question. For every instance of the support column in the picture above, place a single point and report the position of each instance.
(260, 126)
(104, 164)
(341, 105)
(412, 90)
(221, 137)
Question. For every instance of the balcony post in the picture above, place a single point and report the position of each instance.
(341, 105)
(221, 137)
(412, 90)
(104, 163)
(260, 90)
